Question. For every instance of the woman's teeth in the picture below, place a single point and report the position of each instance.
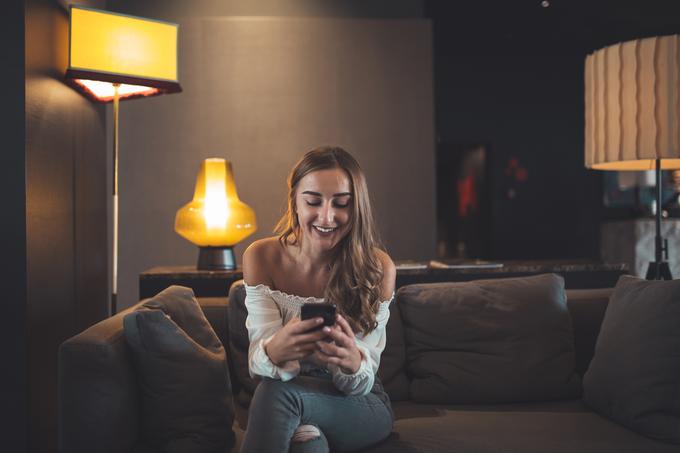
(324, 230)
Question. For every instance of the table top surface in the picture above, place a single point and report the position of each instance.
(420, 267)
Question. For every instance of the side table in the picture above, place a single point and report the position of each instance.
(204, 283)
(577, 275)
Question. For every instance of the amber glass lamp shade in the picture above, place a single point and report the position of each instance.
(215, 220)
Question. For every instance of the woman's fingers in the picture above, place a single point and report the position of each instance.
(330, 359)
(344, 325)
(306, 325)
(310, 337)
(300, 352)
(331, 349)
(339, 337)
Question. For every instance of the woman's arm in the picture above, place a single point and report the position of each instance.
(264, 319)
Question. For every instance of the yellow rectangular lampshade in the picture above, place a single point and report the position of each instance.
(116, 48)
(632, 98)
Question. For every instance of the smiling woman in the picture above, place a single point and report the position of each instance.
(327, 251)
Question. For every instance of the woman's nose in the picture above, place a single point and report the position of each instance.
(328, 214)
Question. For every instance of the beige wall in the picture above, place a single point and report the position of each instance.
(260, 91)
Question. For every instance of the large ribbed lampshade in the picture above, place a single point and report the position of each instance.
(632, 96)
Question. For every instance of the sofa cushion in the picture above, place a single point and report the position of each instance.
(489, 341)
(528, 428)
(634, 377)
(183, 374)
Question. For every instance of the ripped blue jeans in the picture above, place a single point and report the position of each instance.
(346, 423)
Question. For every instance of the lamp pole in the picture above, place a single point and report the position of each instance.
(114, 283)
(659, 269)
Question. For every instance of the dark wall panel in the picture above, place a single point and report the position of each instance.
(66, 218)
(509, 75)
(13, 387)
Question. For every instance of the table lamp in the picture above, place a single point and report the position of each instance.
(114, 57)
(215, 220)
(632, 116)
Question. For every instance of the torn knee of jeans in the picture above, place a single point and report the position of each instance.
(305, 433)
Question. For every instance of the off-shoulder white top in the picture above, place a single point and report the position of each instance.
(269, 310)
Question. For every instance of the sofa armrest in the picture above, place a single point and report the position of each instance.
(99, 400)
(98, 391)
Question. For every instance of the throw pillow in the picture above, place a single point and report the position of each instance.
(183, 375)
(489, 341)
(634, 377)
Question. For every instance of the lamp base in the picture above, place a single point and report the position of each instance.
(659, 271)
(216, 258)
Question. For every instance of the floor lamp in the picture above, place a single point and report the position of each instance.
(632, 116)
(114, 57)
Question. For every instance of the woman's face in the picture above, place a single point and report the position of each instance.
(324, 207)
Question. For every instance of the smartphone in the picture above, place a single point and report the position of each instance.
(325, 311)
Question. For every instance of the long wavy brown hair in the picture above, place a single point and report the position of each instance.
(356, 273)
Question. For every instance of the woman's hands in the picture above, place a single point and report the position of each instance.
(294, 341)
(344, 353)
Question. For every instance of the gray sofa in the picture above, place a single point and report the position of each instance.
(99, 407)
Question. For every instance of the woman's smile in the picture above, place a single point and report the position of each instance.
(324, 230)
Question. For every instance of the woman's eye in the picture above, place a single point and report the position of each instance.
(313, 203)
(338, 205)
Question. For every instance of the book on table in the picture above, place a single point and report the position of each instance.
(464, 264)
(408, 265)
(447, 264)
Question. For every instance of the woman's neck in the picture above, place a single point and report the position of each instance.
(311, 260)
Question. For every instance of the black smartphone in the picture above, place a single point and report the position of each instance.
(325, 311)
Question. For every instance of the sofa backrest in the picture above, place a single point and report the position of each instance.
(99, 406)
(99, 399)
(586, 308)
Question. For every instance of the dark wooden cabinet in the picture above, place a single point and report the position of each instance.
(577, 275)
(204, 283)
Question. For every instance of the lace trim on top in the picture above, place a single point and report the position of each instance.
(291, 302)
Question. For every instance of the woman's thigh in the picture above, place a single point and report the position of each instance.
(348, 422)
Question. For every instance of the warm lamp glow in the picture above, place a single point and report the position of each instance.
(103, 91)
(215, 217)
(106, 48)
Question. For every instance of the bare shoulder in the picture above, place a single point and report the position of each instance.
(259, 260)
(389, 274)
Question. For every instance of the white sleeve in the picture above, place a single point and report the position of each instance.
(263, 321)
(371, 347)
